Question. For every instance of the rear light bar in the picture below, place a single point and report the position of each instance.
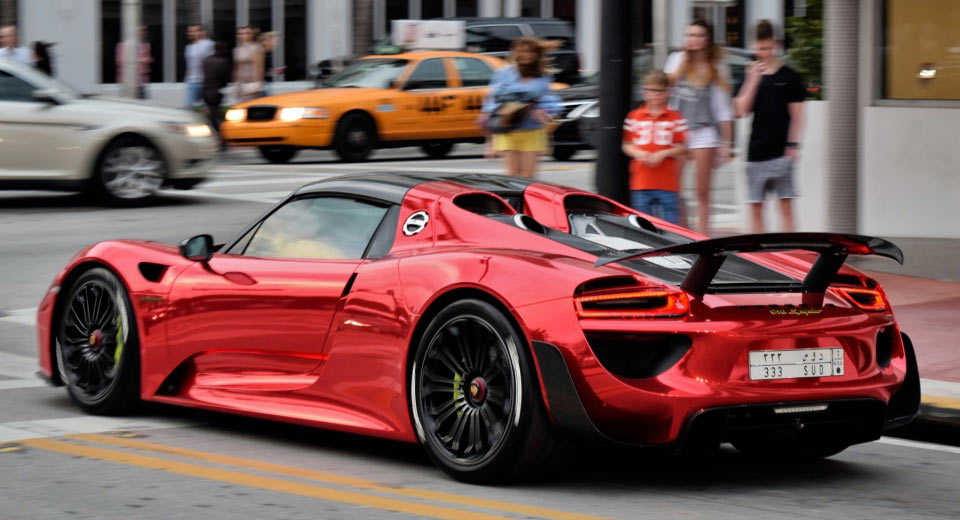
(866, 299)
(639, 302)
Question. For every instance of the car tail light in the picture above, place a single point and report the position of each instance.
(633, 302)
(868, 295)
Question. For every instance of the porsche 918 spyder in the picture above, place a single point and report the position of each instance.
(495, 321)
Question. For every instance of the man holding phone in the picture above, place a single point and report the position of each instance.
(774, 93)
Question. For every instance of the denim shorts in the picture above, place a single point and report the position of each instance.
(658, 203)
(775, 175)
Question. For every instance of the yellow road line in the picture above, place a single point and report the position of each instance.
(941, 402)
(292, 471)
(256, 481)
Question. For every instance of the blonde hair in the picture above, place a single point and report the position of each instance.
(541, 48)
(656, 77)
(266, 36)
(714, 54)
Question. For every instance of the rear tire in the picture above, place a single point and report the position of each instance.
(475, 398)
(128, 173)
(356, 137)
(98, 348)
(437, 150)
(278, 154)
(563, 153)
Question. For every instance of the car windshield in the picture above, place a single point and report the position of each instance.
(369, 73)
(41, 81)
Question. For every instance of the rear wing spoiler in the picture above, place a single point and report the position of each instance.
(832, 248)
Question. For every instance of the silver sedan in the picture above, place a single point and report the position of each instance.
(122, 151)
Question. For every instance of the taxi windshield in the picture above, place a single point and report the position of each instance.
(370, 73)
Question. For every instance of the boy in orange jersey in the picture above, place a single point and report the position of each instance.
(653, 135)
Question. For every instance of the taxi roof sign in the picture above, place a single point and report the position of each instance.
(429, 34)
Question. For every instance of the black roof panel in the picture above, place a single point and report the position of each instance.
(393, 186)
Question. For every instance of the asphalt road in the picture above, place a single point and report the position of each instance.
(56, 462)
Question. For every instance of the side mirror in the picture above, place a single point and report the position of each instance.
(47, 95)
(199, 248)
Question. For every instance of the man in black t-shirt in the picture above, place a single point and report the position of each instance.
(774, 93)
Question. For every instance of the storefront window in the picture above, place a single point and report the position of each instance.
(183, 20)
(224, 22)
(400, 10)
(109, 36)
(431, 9)
(921, 50)
(261, 12)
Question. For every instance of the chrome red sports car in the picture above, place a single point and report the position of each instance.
(429, 309)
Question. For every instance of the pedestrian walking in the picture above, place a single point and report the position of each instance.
(216, 77)
(144, 61)
(8, 46)
(520, 105)
(268, 41)
(247, 65)
(43, 59)
(701, 92)
(199, 48)
(774, 93)
(654, 137)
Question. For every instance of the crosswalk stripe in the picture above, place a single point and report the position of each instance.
(267, 180)
(264, 197)
(21, 316)
(17, 366)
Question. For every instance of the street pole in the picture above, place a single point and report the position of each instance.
(841, 39)
(660, 33)
(616, 89)
(131, 58)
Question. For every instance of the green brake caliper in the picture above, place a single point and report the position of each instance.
(458, 390)
(119, 350)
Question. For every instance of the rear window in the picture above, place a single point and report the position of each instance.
(555, 31)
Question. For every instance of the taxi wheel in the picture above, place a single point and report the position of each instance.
(356, 137)
(437, 150)
(278, 154)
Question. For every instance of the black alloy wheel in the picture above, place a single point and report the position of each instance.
(97, 349)
(355, 138)
(474, 398)
(278, 154)
(437, 150)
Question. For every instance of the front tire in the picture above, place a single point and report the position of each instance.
(278, 154)
(437, 150)
(129, 172)
(475, 399)
(356, 137)
(98, 348)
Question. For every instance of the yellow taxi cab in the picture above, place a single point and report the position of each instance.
(429, 99)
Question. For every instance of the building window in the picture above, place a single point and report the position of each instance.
(295, 39)
(921, 50)
(430, 9)
(467, 8)
(109, 36)
(224, 22)
(530, 8)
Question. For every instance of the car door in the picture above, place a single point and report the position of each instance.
(257, 316)
(427, 107)
(473, 76)
(38, 139)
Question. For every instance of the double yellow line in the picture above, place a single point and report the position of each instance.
(282, 485)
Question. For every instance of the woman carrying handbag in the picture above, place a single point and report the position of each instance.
(520, 106)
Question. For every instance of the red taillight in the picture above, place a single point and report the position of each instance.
(641, 302)
(866, 299)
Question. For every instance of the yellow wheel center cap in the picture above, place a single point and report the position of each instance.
(95, 339)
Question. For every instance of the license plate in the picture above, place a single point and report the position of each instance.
(803, 362)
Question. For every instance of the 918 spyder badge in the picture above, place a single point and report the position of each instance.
(415, 223)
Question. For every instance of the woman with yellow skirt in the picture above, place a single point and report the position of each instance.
(519, 107)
